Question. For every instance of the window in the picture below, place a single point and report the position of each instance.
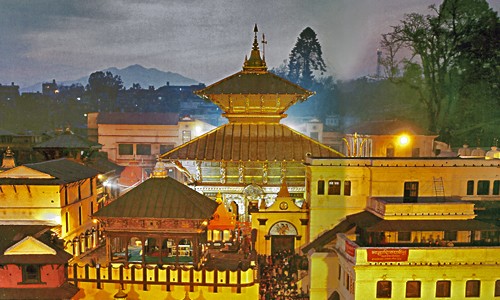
(497, 288)
(334, 187)
(80, 216)
(413, 289)
(91, 186)
(410, 192)
(321, 187)
(384, 289)
(315, 135)
(415, 152)
(470, 187)
(347, 188)
(143, 149)
(472, 288)
(67, 221)
(404, 236)
(31, 274)
(126, 149)
(65, 195)
(186, 136)
(450, 235)
(91, 207)
(166, 148)
(443, 288)
(496, 187)
(340, 272)
(483, 187)
(390, 152)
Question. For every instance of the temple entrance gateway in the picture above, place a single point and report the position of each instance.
(283, 236)
(280, 243)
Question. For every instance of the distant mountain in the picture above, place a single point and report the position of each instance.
(129, 75)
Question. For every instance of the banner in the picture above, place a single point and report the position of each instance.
(388, 254)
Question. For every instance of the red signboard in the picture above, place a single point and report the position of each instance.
(388, 254)
(350, 248)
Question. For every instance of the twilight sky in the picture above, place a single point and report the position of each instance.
(41, 40)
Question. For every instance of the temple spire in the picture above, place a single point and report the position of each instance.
(255, 63)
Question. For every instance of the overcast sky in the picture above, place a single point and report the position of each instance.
(205, 40)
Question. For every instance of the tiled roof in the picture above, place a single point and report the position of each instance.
(160, 198)
(68, 140)
(133, 118)
(254, 83)
(251, 142)
(12, 234)
(386, 127)
(63, 170)
(4, 132)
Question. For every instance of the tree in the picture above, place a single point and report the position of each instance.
(305, 58)
(445, 50)
(135, 87)
(103, 89)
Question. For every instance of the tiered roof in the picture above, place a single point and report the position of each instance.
(254, 101)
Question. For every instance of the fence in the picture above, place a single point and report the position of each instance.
(168, 276)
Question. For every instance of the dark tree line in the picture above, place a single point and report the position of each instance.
(451, 59)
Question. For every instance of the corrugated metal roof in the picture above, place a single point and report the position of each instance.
(251, 142)
(132, 118)
(68, 140)
(4, 132)
(160, 198)
(254, 83)
(64, 170)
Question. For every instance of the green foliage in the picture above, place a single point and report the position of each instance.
(452, 62)
(305, 58)
(102, 90)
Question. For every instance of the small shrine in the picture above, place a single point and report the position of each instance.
(222, 228)
(67, 144)
(161, 221)
(8, 161)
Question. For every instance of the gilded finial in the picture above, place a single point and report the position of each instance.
(255, 63)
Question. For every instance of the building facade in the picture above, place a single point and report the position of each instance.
(61, 193)
(403, 228)
(139, 138)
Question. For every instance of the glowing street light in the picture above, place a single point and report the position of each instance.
(404, 140)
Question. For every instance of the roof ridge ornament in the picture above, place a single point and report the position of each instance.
(255, 64)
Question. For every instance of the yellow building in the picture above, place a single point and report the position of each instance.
(388, 138)
(58, 192)
(403, 228)
(281, 226)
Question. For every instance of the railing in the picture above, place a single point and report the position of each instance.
(161, 275)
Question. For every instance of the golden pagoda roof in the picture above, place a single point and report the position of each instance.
(251, 142)
(254, 91)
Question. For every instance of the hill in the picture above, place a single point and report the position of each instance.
(129, 75)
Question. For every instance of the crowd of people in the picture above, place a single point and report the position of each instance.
(279, 274)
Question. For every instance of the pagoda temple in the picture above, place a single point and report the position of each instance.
(249, 158)
(159, 221)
